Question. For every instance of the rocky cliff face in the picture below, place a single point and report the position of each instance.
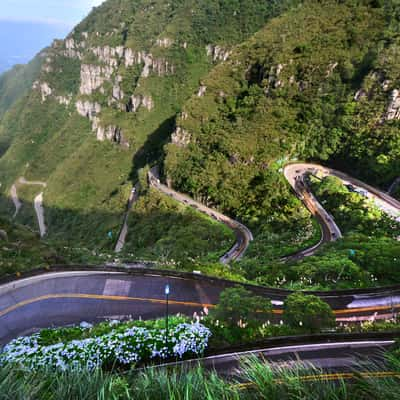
(109, 94)
(44, 88)
(217, 53)
(88, 109)
(93, 77)
(393, 110)
(101, 77)
(180, 137)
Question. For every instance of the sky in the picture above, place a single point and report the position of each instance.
(27, 26)
(54, 12)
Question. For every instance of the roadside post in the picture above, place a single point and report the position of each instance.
(167, 291)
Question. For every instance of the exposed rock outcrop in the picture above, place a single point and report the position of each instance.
(112, 57)
(117, 93)
(133, 103)
(378, 79)
(109, 55)
(64, 100)
(218, 53)
(202, 91)
(386, 84)
(112, 133)
(181, 137)
(93, 76)
(46, 91)
(72, 49)
(159, 66)
(273, 76)
(3, 235)
(360, 94)
(136, 101)
(148, 102)
(331, 68)
(44, 88)
(88, 109)
(46, 67)
(393, 111)
(165, 42)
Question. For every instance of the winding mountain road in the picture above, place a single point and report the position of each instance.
(296, 176)
(37, 203)
(243, 234)
(62, 298)
(336, 356)
(133, 197)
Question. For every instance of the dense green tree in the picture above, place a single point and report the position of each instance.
(310, 312)
(333, 269)
(238, 306)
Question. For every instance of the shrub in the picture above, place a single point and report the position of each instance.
(238, 306)
(310, 312)
(115, 348)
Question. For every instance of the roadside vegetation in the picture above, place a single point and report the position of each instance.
(271, 101)
(353, 212)
(122, 345)
(239, 318)
(21, 249)
(259, 380)
(162, 229)
(100, 361)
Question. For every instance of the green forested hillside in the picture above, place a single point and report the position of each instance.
(14, 86)
(220, 94)
(106, 100)
(310, 85)
(16, 82)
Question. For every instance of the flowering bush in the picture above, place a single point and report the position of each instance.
(129, 346)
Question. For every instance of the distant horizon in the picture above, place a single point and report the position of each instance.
(52, 12)
(34, 24)
(29, 38)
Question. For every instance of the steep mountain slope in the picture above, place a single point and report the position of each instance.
(220, 93)
(15, 83)
(105, 104)
(319, 82)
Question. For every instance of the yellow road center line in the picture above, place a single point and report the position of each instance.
(98, 297)
(362, 309)
(162, 301)
(331, 377)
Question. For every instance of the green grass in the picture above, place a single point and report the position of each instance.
(15, 83)
(162, 229)
(262, 382)
(88, 182)
(239, 130)
(23, 250)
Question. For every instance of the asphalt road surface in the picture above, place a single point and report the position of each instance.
(59, 299)
(333, 357)
(296, 175)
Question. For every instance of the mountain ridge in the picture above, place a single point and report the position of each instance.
(218, 96)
